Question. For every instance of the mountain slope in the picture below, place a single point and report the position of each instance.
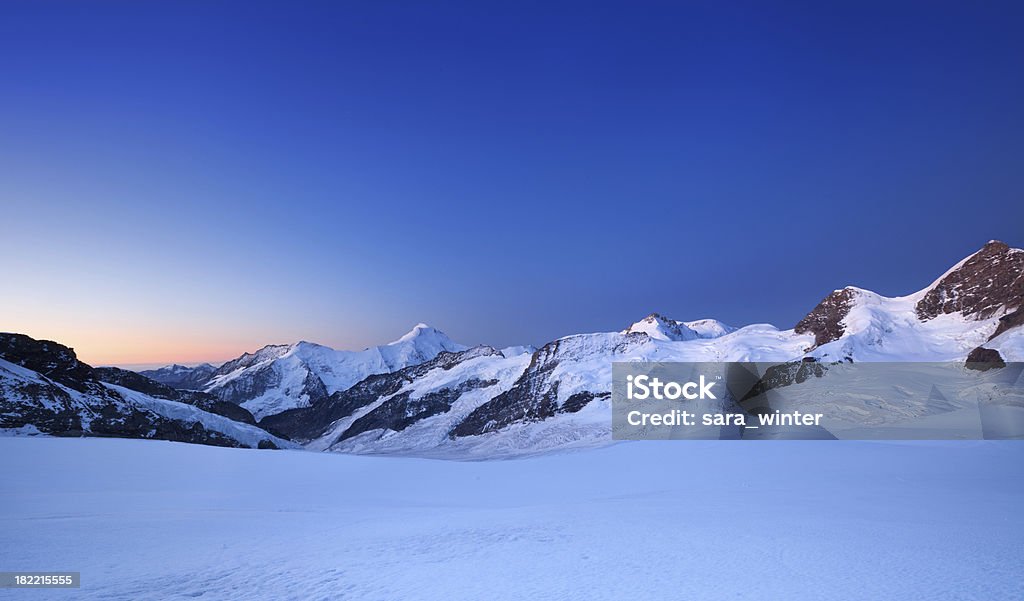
(181, 377)
(281, 377)
(44, 388)
(140, 383)
(977, 299)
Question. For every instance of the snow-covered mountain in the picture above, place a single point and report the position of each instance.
(426, 395)
(979, 302)
(182, 377)
(660, 327)
(44, 388)
(560, 395)
(280, 377)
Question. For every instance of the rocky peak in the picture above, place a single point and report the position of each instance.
(825, 321)
(55, 361)
(985, 284)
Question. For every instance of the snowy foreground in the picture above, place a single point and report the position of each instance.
(676, 520)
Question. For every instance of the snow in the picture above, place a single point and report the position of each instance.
(429, 437)
(13, 381)
(709, 328)
(512, 351)
(421, 344)
(18, 373)
(337, 369)
(823, 520)
(877, 329)
(880, 328)
(1010, 344)
(26, 430)
(188, 414)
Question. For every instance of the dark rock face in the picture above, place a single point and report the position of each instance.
(257, 382)
(307, 423)
(181, 377)
(206, 402)
(988, 281)
(534, 396)
(400, 411)
(825, 320)
(55, 361)
(137, 382)
(784, 374)
(44, 405)
(984, 359)
(580, 400)
(62, 396)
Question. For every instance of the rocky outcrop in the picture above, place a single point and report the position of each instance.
(54, 361)
(401, 411)
(782, 375)
(989, 281)
(534, 395)
(578, 401)
(825, 321)
(307, 423)
(984, 359)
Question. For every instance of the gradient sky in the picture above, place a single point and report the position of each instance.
(184, 181)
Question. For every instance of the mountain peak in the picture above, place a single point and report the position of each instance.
(49, 358)
(825, 321)
(659, 327)
(987, 283)
(418, 330)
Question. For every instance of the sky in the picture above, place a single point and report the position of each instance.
(185, 181)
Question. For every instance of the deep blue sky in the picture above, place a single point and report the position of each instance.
(217, 176)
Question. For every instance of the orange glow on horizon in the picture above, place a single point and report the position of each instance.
(151, 348)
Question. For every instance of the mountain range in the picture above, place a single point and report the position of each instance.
(427, 395)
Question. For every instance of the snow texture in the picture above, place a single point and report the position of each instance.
(675, 520)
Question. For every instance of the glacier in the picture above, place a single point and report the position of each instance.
(712, 520)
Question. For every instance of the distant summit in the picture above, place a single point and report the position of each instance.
(181, 377)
